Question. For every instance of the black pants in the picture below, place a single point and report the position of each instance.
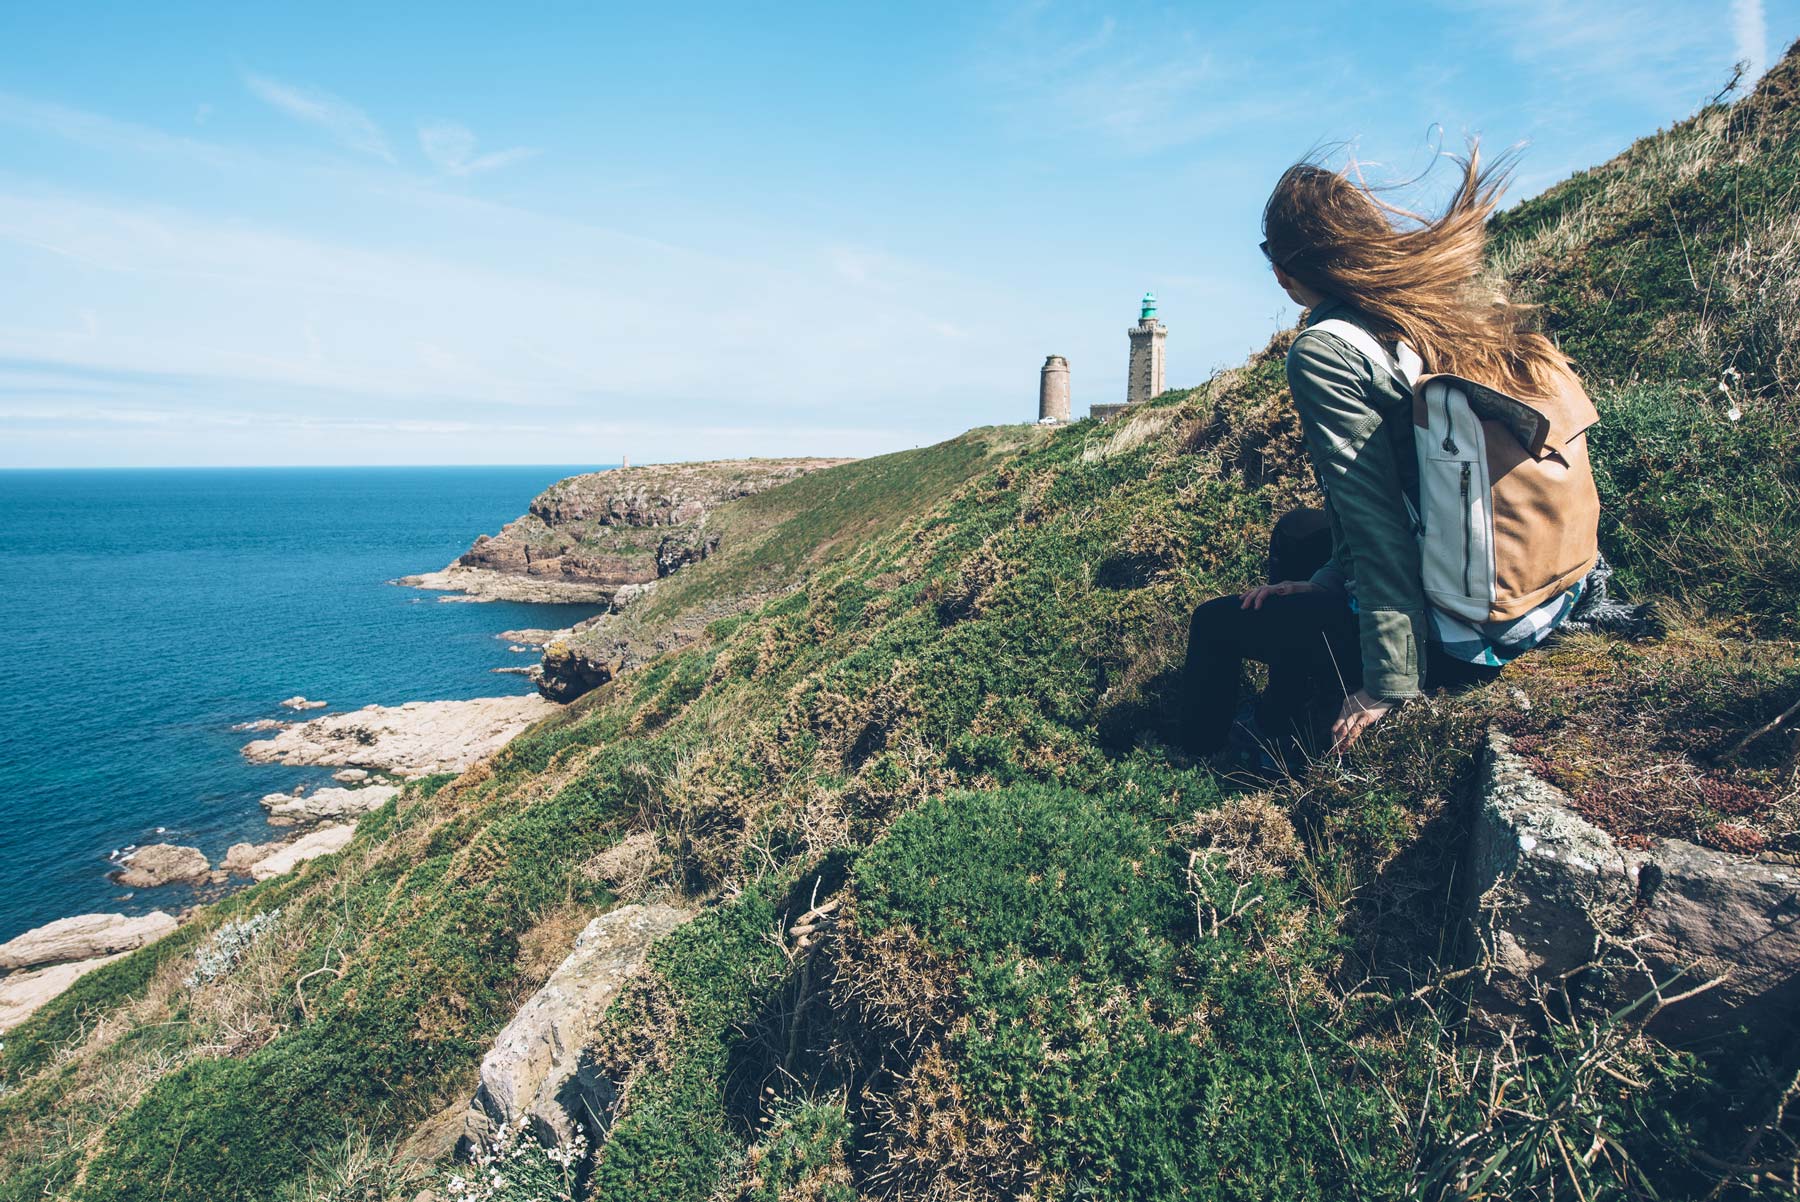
(1309, 641)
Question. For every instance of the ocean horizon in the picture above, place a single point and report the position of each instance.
(148, 610)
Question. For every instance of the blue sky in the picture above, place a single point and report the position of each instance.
(441, 233)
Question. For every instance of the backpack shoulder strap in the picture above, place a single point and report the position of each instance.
(1402, 363)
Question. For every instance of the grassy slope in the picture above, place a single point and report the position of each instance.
(1065, 964)
(768, 542)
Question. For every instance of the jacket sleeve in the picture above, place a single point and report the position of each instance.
(1333, 390)
(1330, 577)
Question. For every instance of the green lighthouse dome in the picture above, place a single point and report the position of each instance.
(1149, 307)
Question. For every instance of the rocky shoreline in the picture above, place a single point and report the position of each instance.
(603, 539)
(472, 584)
(376, 749)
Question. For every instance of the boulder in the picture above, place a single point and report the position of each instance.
(1549, 887)
(241, 857)
(321, 842)
(262, 724)
(297, 702)
(350, 776)
(83, 937)
(536, 1072)
(22, 993)
(326, 804)
(161, 864)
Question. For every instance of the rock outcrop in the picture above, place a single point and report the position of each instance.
(418, 737)
(240, 858)
(592, 538)
(161, 864)
(486, 584)
(22, 993)
(535, 1071)
(530, 638)
(326, 805)
(83, 937)
(322, 842)
(570, 669)
(1550, 889)
(263, 724)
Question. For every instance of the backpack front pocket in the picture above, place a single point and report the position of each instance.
(1456, 550)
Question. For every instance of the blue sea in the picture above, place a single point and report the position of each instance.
(143, 613)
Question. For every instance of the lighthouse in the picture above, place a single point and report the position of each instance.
(1144, 375)
(1144, 378)
(1053, 390)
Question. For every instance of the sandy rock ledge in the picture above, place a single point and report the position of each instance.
(322, 842)
(83, 937)
(23, 993)
(418, 737)
(329, 804)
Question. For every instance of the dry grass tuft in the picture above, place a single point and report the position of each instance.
(933, 1148)
(1249, 833)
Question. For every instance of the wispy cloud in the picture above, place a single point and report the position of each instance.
(1101, 79)
(451, 149)
(1750, 36)
(349, 125)
(1646, 52)
(104, 133)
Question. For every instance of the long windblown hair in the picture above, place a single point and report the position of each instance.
(1416, 277)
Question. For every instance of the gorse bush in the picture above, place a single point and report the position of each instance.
(1698, 505)
(1129, 1047)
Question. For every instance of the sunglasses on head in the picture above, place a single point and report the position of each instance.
(1282, 261)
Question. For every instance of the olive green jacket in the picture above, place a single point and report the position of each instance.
(1357, 423)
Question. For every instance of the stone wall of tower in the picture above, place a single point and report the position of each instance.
(1053, 390)
(1144, 378)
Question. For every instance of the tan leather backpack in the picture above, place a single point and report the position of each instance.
(1508, 515)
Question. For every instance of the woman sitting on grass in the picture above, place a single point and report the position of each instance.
(1358, 626)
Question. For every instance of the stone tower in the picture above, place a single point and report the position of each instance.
(1053, 390)
(1144, 379)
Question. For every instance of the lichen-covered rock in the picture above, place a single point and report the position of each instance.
(83, 937)
(321, 842)
(162, 864)
(1549, 889)
(570, 670)
(535, 1073)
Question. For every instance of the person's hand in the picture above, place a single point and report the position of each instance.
(1360, 712)
(1287, 588)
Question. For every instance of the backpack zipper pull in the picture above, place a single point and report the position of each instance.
(1450, 447)
(1468, 529)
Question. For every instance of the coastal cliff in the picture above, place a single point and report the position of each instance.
(726, 537)
(924, 901)
(595, 537)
